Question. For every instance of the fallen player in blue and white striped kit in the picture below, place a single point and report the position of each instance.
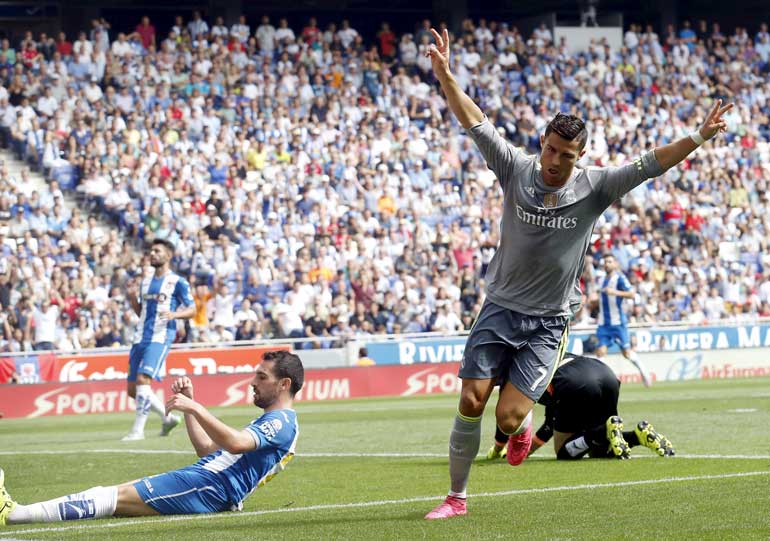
(233, 462)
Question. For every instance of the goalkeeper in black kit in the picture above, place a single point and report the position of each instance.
(581, 415)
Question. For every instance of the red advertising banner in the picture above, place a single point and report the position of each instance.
(109, 396)
(49, 366)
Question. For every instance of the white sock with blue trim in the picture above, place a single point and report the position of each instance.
(156, 404)
(143, 405)
(96, 502)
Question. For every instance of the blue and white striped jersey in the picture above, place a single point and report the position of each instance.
(611, 308)
(276, 435)
(161, 295)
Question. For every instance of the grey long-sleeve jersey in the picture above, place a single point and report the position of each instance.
(545, 232)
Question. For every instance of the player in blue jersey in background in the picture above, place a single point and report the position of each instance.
(233, 462)
(613, 323)
(161, 299)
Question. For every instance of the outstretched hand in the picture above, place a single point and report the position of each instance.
(714, 122)
(439, 52)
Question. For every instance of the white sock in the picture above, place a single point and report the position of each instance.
(637, 362)
(97, 502)
(578, 446)
(143, 405)
(155, 404)
(525, 424)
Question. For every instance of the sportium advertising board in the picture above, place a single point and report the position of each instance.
(50, 367)
(108, 396)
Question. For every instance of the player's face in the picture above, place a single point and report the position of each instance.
(558, 159)
(609, 264)
(265, 385)
(158, 255)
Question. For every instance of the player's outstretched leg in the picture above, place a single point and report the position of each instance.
(652, 439)
(6, 502)
(618, 445)
(96, 502)
(641, 367)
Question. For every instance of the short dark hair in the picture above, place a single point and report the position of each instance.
(167, 243)
(568, 127)
(287, 365)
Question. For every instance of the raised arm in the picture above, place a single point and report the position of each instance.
(201, 441)
(132, 292)
(615, 182)
(463, 107)
(670, 155)
(207, 433)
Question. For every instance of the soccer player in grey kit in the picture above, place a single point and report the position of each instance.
(550, 209)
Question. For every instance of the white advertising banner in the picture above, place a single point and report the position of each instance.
(703, 364)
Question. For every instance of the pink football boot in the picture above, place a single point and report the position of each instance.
(518, 447)
(451, 507)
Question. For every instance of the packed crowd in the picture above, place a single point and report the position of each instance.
(316, 186)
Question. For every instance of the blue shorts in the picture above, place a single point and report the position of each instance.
(186, 491)
(148, 359)
(613, 334)
(509, 346)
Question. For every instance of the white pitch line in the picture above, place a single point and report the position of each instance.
(192, 454)
(380, 503)
(340, 455)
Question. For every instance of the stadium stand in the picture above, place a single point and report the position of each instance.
(314, 186)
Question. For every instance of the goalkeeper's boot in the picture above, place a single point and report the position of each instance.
(496, 452)
(450, 507)
(618, 445)
(169, 425)
(518, 447)
(6, 502)
(652, 439)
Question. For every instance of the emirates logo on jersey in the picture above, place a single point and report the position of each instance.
(547, 220)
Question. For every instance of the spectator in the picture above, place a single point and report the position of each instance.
(146, 33)
(266, 37)
(197, 27)
(356, 187)
(387, 41)
(223, 307)
(241, 30)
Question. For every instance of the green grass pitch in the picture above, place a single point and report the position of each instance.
(337, 487)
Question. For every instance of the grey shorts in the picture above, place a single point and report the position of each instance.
(522, 349)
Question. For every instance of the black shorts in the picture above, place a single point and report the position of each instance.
(585, 394)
